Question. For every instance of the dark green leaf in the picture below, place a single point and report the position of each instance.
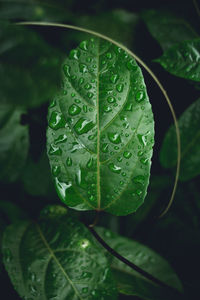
(167, 28)
(182, 60)
(37, 178)
(56, 258)
(14, 143)
(101, 131)
(190, 141)
(27, 64)
(132, 283)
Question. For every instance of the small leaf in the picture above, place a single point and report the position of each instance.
(167, 28)
(131, 282)
(182, 60)
(190, 140)
(101, 131)
(56, 258)
(14, 143)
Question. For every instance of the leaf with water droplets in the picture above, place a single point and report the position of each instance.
(56, 258)
(105, 115)
(190, 140)
(14, 142)
(131, 282)
(182, 60)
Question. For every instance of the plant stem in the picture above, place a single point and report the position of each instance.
(130, 264)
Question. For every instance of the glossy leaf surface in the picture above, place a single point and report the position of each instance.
(182, 60)
(14, 143)
(167, 28)
(101, 131)
(131, 282)
(190, 141)
(56, 258)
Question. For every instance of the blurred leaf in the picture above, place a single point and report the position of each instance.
(101, 131)
(29, 67)
(56, 258)
(37, 179)
(167, 28)
(190, 141)
(131, 282)
(182, 60)
(14, 143)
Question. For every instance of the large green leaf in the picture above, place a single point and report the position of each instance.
(131, 282)
(190, 141)
(182, 60)
(101, 131)
(14, 142)
(29, 67)
(56, 258)
(167, 28)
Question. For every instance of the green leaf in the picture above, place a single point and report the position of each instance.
(131, 282)
(14, 143)
(101, 131)
(27, 64)
(190, 140)
(167, 28)
(182, 60)
(56, 258)
(36, 177)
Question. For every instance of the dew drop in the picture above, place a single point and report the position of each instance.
(114, 78)
(55, 150)
(84, 290)
(140, 153)
(87, 86)
(107, 108)
(84, 243)
(139, 179)
(139, 96)
(90, 163)
(144, 161)
(69, 162)
(111, 99)
(105, 148)
(90, 95)
(109, 55)
(127, 154)
(77, 100)
(74, 54)
(123, 174)
(114, 137)
(66, 70)
(83, 126)
(84, 45)
(114, 168)
(129, 107)
(86, 275)
(83, 68)
(120, 87)
(138, 192)
(81, 80)
(52, 103)
(74, 110)
(7, 255)
(143, 138)
(131, 65)
(91, 198)
(91, 137)
(61, 139)
(56, 171)
(85, 108)
(56, 120)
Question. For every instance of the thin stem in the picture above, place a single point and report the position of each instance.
(130, 264)
(142, 63)
(196, 7)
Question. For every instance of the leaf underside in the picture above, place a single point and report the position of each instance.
(190, 141)
(101, 131)
(58, 259)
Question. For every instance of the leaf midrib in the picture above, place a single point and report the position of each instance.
(98, 135)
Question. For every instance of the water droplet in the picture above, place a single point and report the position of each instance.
(85, 108)
(121, 183)
(83, 126)
(91, 198)
(61, 139)
(123, 174)
(90, 95)
(109, 55)
(140, 153)
(138, 192)
(129, 107)
(89, 59)
(91, 137)
(107, 233)
(84, 45)
(74, 54)
(74, 110)
(119, 159)
(86, 275)
(144, 160)
(107, 108)
(83, 68)
(84, 243)
(84, 290)
(103, 62)
(56, 120)
(120, 87)
(114, 78)
(127, 154)
(55, 150)
(81, 80)
(139, 179)
(56, 171)
(7, 255)
(143, 138)
(90, 163)
(32, 277)
(111, 99)
(116, 147)
(69, 162)
(52, 103)
(139, 96)
(66, 70)
(105, 148)
(87, 86)
(32, 289)
(114, 137)
(114, 168)
(131, 65)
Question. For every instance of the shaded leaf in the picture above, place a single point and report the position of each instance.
(190, 140)
(131, 282)
(56, 258)
(101, 131)
(182, 60)
(167, 28)
(14, 143)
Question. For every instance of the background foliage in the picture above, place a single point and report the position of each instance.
(165, 34)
